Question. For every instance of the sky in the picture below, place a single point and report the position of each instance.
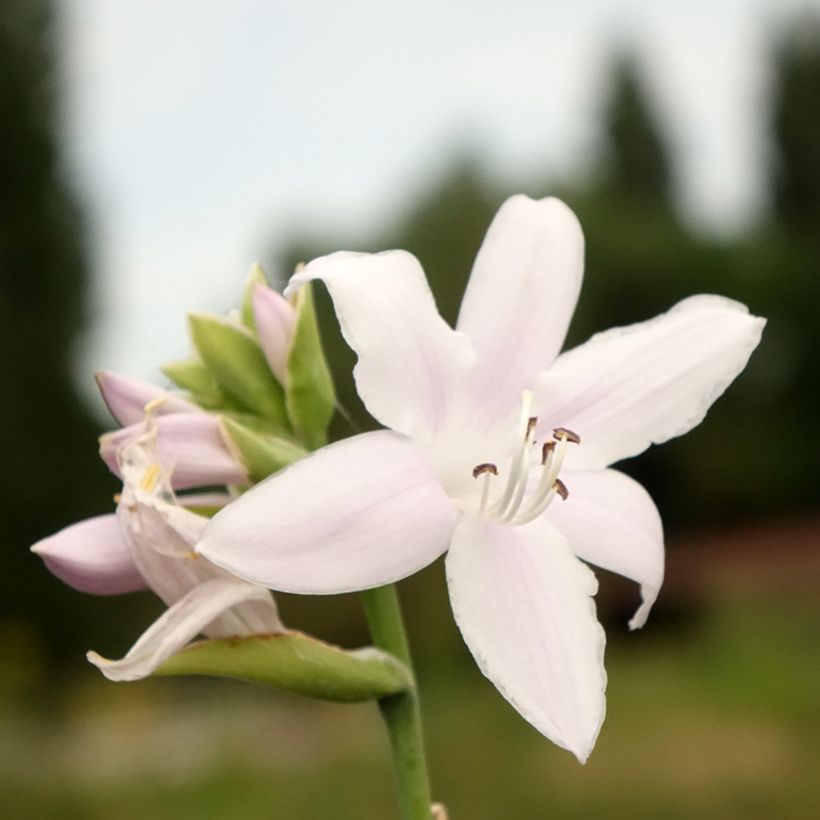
(201, 134)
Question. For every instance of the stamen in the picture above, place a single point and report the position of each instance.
(149, 478)
(561, 489)
(487, 467)
(546, 451)
(516, 475)
(562, 433)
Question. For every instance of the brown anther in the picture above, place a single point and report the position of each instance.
(117, 498)
(531, 422)
(548, 447)
(480, 469)
(561, 489)
(562, 432)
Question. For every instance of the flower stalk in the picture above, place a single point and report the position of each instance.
(400, 712)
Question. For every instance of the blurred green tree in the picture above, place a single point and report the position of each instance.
(52, 475)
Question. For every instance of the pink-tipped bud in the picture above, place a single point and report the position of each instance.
(275, 321)
(126, 398)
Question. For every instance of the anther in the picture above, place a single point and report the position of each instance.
(566, 435)
(531, 422)
(546, 449)
(561, 489)
(486, 467)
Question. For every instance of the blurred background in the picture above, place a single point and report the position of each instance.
(151, 151)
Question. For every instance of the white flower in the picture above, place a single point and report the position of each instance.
(149, 543)
(481, 422)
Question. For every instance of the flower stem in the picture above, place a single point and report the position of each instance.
(400, 712)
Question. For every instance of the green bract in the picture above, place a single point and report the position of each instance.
(295, 663)
(309, 390)
(261, 454)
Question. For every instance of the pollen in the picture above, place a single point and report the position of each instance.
(150, 478)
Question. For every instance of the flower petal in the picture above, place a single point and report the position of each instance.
(190, 446)
(186, 619)
(643, 384)
(411, 364)
(92, 557)
(611, 521)
(521, 296)
(275, 318)
(126, 398)
(357, 514)
(524, 605)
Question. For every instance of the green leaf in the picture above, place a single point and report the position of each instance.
(261, 454)
(255, 277)
(295, 663)
(192, 375)
(238, 366)
(309, 393)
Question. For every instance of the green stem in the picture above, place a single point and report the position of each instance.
(400, 712)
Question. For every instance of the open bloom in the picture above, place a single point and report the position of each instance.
(489, 426)
(149, 543)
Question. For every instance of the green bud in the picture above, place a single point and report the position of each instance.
(256, 276)
(192, 375)
(235, 360)
(260, 453)
(295, 663)
(309, 391)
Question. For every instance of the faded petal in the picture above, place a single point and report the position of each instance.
(363, 512)
(643, 384)
(521, 297)
(92, 557)
(180, 624)
(611, 521)
(190, 446)
(412, 365)
(126, 398)
(275, 319)
(524, 605)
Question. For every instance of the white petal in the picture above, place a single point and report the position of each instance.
(524, 605)
(357, 514)
(521, 296)
(611, 521)
(190, 445)
(189, 617)
(643, 384)
(126, 398)
(275, 319)
(92, 557)
(411, 364)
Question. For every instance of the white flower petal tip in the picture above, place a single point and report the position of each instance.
(180, 624)
(524, 604)
(189, 445)
(630, 387)
(127, 397)
(275, 320)
(412, 366)
(360, 513)
(91, 557)
(611, 521)
(521, 296)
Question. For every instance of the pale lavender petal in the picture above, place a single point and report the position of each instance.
(190, 446)
(92, 557)
(186, 619)
(126, 398)
(520, 298)
(646, 383)
(611, 521)
(524, 605)
(275, 319)
(412, 366)
(357, 514)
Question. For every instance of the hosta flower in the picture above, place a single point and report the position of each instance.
(186, 436)
(498, 453)
(149, 543)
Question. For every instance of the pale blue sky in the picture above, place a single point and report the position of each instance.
(200, 133)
